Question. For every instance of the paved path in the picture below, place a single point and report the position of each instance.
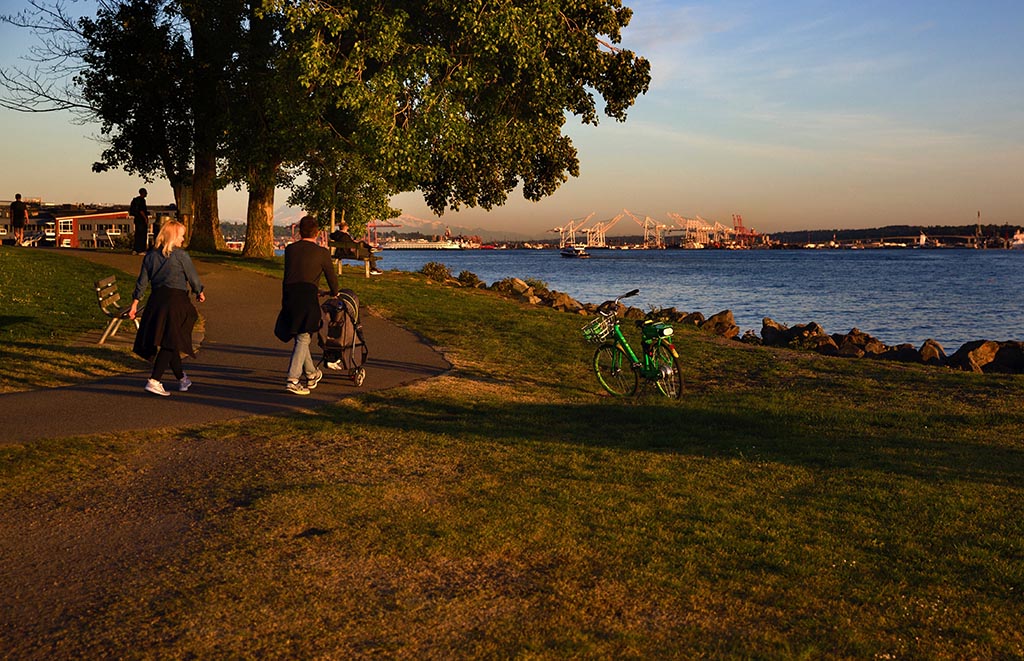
(239, 370)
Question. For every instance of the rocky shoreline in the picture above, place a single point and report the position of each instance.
(980, 356)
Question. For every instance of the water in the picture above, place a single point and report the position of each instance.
(953, 296)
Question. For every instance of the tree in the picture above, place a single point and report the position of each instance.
(465, 101)
(136, 81)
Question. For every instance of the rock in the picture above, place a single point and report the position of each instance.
(904, 353)
(529, 299)
(693, 319)
(774, 334)
(564, 302)
(973, 356)
(1009, 359)
(517, 286)
(750, 337)
(932, 353)
(633, 314)
(857, 339)
(723, 324)
(821, 343)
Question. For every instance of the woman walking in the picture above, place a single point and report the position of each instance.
(167, 320)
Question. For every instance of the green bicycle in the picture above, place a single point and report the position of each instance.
(617, 366)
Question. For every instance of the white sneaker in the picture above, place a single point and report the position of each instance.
(376, 272)
(314, 379)
(157, 388)
(185, 383)
(297, 388)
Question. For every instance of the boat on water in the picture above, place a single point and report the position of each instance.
(422, 244)
(576, 251)
(1018, 241)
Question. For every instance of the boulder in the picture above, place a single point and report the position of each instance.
(904, 353)
(529, 298)
(723, 324)
(1009, 359)
(932, 353)
(867, 345)
(634, 314)
(563, 302)
(822, 344)
(693, 319)
(973, 356)
(750, 337)
(518, 287)
(774, 334)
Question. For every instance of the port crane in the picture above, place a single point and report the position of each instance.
(596, 235)
(653, 232)
(568, 231)
(372, 226)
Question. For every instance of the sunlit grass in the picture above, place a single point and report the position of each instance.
(49, 300)
(788, 506)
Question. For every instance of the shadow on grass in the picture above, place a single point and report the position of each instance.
(835, 441)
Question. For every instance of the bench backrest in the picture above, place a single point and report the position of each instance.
(106, 294)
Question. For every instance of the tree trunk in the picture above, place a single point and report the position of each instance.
(208, 119)
(259, 222)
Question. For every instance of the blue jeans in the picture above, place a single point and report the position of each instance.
(301, 363)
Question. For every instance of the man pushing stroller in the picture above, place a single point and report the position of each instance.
(304, 262)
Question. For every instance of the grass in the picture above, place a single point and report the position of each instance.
(789, 506)
(49, 301)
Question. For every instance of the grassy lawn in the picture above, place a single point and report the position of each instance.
(788, 506)
(49, 301)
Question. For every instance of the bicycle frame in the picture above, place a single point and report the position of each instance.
(645, 366)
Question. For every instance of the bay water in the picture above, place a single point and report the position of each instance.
(899, 295)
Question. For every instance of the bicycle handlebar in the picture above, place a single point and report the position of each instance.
(628, 294)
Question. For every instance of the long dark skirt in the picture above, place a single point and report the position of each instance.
(167, 322)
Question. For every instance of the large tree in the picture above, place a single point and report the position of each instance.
(136, 81)
(466, 100)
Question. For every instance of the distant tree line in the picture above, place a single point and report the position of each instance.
(893, 231)
(343, 102)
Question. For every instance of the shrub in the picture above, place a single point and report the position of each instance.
(436, 271)
(469, 279)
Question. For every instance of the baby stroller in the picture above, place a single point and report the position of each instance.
(341, 336)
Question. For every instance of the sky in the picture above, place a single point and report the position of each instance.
(795, 114)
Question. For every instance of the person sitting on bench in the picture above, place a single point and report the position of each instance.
(348, 248)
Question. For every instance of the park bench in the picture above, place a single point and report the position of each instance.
(110, 302)
(347, 250)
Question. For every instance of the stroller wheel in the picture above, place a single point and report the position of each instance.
(358, 376)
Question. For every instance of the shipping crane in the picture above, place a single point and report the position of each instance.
(597, 234)
(653, 232)
(568, 231)
(371, 229)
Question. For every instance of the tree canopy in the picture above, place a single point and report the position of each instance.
(348, 102)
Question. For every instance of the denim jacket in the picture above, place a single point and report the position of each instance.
(176, 272)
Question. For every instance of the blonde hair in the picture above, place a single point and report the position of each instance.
(171, 236)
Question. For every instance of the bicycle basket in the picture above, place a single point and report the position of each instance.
(599, 329)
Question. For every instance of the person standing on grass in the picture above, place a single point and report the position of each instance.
(304, 263)
(140, 214)
(168, 318)
(19, 218)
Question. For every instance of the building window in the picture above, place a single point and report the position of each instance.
(85, 228)
(66, 226)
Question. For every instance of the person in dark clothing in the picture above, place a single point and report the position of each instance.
(304, 263)
(167, 320)
(140, 213)
(19, 218)
(348, 248)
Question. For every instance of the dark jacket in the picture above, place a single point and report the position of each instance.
(304, 263)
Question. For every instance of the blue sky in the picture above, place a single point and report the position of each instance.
(796, 114)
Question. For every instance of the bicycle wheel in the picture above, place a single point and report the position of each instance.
(670, 381)
(614, 370)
